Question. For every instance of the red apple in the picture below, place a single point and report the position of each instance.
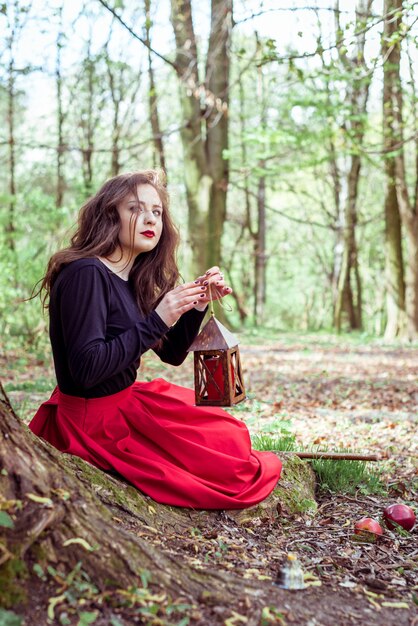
(368, 525)
(399, 515)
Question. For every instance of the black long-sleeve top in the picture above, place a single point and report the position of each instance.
(98, 334)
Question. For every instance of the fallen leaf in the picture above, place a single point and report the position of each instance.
(5, 520)
(81, 542)
(235, 618)
(40, 500)
(375, 604)
(52, 603)
(371, 594)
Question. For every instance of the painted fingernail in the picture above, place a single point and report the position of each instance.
(195, 302)
(206, 282)
(204, 288)
(202, 295)
(196, 282)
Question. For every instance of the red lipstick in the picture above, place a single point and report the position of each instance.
(148, 233)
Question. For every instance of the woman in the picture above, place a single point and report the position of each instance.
(114, 294)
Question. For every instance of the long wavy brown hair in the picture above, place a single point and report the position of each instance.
(153, 273)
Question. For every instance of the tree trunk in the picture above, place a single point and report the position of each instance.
(159, 156)
(197, 178)
(11, 102)
(60, 511)
(205, 131)
(217, 86)
(260, 238)
(394, 267)
(115, 150)
(394, 270)
(87, 151)
(59, 196)
(349, 292)
(349, 300)
(410, 221)
(260, 253)
(408, 208)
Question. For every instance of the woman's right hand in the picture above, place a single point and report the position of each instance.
(180, 300)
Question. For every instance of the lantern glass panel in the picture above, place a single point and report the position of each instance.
(218, 377)
(238, 379)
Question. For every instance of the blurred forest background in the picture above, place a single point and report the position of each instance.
(288, 131)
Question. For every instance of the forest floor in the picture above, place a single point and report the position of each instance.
(337, 393)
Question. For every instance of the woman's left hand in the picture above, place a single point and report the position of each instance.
(216, 287)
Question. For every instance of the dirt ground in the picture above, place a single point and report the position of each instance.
(328, 393)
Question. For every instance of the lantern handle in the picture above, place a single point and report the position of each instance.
(212, 312)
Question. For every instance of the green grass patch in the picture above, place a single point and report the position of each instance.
(335, 476)
(38, 385)
(284, 442)
(346, 476)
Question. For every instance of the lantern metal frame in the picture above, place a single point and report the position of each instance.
(216, 341)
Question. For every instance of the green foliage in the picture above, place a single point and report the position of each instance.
(312, 129)
(9, 618)
(21, 319)
(87, 617)
(5, 520)
(292, 125)
(13, 574)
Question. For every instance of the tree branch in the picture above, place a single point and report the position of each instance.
(133, 33)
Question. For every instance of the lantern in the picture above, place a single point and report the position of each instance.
(217, 367)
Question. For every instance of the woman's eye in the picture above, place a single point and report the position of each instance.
(157, 212)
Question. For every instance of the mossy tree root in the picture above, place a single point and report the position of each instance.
(61, 512)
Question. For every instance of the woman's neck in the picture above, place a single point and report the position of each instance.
(120, 265)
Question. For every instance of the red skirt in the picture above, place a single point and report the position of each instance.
(154, 436)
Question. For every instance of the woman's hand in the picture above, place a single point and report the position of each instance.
(216, 288)
(180, 300)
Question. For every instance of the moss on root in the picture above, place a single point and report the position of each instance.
(13, 574)
(296, 488)
(294, 493)
(114, 491)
